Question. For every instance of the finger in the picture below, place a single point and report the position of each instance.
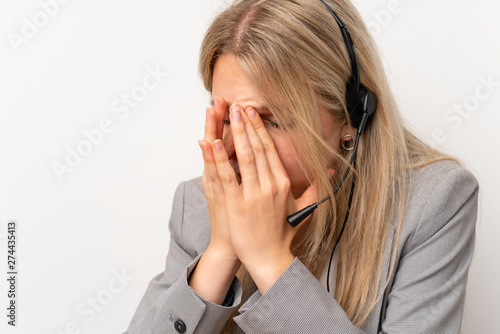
(223, 133)
(225, 171)
(210, 125)
(244, 151)
(264, 172)
(220, 109)
(273, 158)
(214, 186)
(214, 125)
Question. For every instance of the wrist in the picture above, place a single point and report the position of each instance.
(213, 274)
(225, 256)
(266, 273)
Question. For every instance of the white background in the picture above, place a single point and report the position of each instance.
(109, 214)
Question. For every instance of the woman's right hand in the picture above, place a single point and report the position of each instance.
(214, 129)
(218, 265)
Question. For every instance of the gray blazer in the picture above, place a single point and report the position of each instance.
(426, 294)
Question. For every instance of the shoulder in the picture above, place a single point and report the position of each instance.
(443, 173)
(195, 202)
(442, 194)
(190, 222)
(442, 183)
(189, 190)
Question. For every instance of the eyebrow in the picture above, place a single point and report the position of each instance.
(263, 110)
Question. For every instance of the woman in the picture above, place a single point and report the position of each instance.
(387, 252)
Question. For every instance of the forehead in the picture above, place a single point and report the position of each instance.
(231, 83)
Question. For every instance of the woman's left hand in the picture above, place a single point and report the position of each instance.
(257, 209)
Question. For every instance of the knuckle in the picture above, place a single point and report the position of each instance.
(258, 147)
(285, 185)
(226, 178)
(269, 146)
(236, 128)
(206, 159)
(248, 159)
(271, 189)
(209, 194)
(258, 125)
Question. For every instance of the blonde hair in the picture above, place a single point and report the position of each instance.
(294, 54)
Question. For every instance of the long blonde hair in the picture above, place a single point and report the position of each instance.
(294, 54)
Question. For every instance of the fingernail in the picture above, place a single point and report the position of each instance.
(218, 145)
(235, 113)
(216, 102)
(251, 112)
(199, 143)
(208, 113)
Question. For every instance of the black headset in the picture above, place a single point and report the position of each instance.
(361, 104)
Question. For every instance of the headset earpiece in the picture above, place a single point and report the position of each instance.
(359, 101)
(370, 102)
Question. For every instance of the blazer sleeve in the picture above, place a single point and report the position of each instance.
(427, 295)
(169, 304)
